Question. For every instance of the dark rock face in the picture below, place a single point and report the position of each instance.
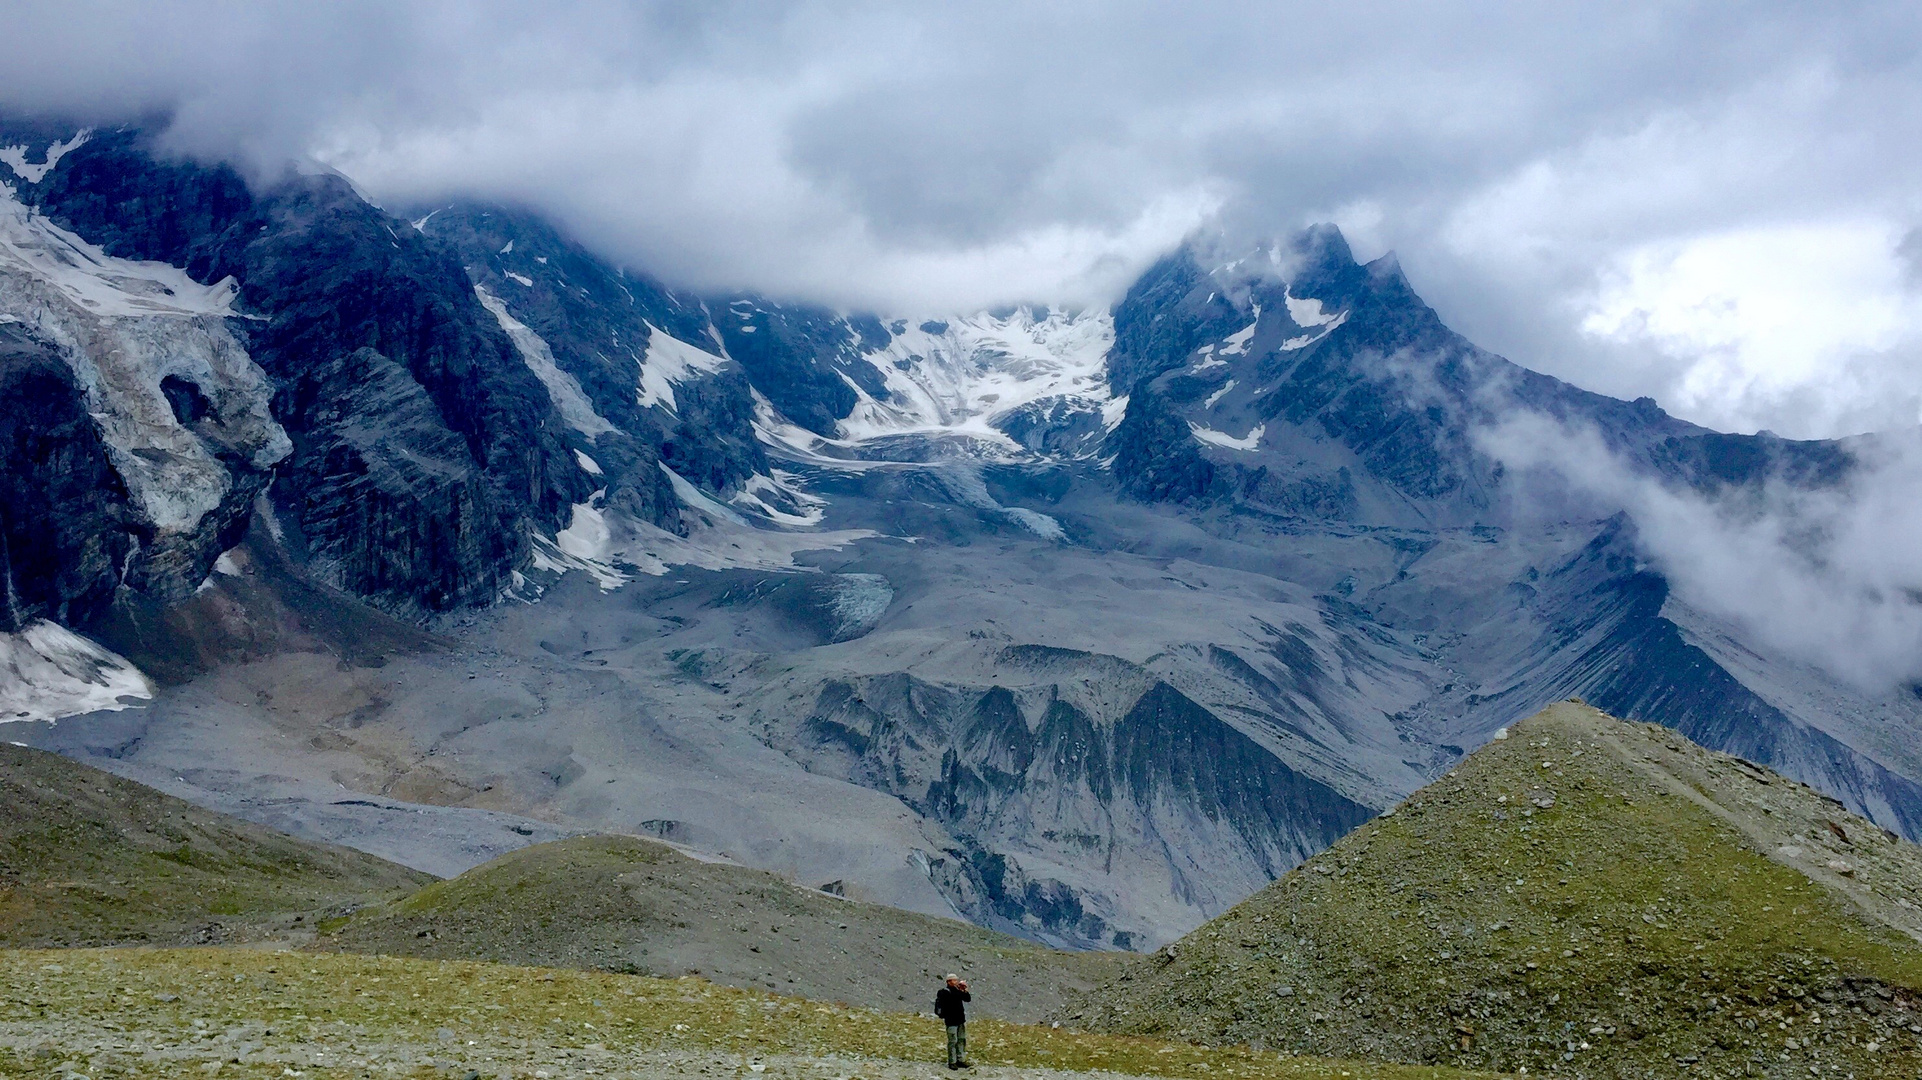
(65, 527)
(347, 293)
(600, 321)
(424, 523)
(1155, 455)
(1174, 309)
(803, 357)
(1715, 464)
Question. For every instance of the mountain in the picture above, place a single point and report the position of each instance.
(437, 533)
(87, 858)
(1583, 897)
(629, 904)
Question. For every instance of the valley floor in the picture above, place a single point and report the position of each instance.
(256, 1013)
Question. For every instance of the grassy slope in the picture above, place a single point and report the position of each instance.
(89, 858)
(180, 1012)
(1587, 897)
(626, 904)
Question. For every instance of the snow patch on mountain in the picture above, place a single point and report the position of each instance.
(48, 672)
(670, 362)
(98, 283)
(1309, 314)
(569, 399)
(1219, 394)
(585, 545)
(1305, 340)
(15, 157)
(1036, 522)
(612, 547)
(801, 445)
(964, 484)
(125, 328)
(1223, 439)
(695, 499)
(1237, 343)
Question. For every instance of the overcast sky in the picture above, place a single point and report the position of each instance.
(1716, 204)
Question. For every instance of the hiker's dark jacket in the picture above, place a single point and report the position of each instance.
(949, 1005)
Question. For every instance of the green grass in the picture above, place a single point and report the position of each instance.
(89, 858)
(352, 1006)
(1475, 926)
(626, 904)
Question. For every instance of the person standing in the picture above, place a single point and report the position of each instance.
(950, 1004)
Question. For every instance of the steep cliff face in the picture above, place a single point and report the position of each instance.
(65, 522)
(178, 412)
(809, 362)
(424, 449)
(649, 374)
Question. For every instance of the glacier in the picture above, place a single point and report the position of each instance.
(126, 328)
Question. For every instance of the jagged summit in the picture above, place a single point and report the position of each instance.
(1583, 896)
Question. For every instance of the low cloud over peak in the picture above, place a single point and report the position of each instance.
(1619, 195)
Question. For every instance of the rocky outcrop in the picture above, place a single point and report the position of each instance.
(809, 362)
(1066, 789)
(352, 314)
(177, 409)
(65, 525)
(625, 339)
(1156, 458)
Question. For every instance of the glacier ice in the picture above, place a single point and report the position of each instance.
(124, 327)
(956, 375)
(48, 672)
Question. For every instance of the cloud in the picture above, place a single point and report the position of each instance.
(1536, 166)
(1818, 313)
(1822, 576)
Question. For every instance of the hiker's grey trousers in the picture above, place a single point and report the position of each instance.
(957, 1043)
